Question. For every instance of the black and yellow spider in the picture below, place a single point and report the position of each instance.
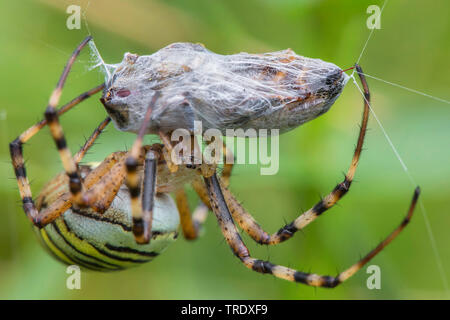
(117, 213)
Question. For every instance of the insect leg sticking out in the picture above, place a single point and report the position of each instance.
(47, 215)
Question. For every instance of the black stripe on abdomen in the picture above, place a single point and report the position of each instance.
(105, 253)
(114, 266)
(78, 261)
(131, 250)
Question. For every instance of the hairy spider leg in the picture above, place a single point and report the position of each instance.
(238, 247)
(90, 142)
(47, 215)
(16, 151)
(101, 186)
(51, 115)
(247, 223)
(191, 224)
(142, 212)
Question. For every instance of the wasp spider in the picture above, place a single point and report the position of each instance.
(117, 213)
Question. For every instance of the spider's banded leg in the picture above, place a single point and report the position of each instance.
(142, 222)
(190, 224)
(103, 183)
(96, 178)
(90, 142)
(201, 211)
(116, 159)
(142, 213)
(234, 240)
(51, 115)
(250, 226)
(16, 151)
(101, 187)
(30, 132)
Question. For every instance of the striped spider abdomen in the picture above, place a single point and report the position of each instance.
(104, 241)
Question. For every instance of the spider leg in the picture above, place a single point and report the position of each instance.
(16, 152)
(51, 115)
(103, 183)
(101, 187)
(89, 143)
(142, 212)
(97, 177)
(148, 198)
(167, 152)
(191, 224)
(249, 224)
(238, 247)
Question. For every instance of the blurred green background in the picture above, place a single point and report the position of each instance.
(412, 48)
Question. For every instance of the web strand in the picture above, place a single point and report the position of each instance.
(98, 60)
(408, 89)
(405, 168)
(414, 184)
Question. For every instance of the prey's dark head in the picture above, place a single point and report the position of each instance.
(118, 112)
(124, 97)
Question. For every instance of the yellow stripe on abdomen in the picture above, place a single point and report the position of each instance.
(53, 249)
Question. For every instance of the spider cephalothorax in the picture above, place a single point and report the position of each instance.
(146, 172)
